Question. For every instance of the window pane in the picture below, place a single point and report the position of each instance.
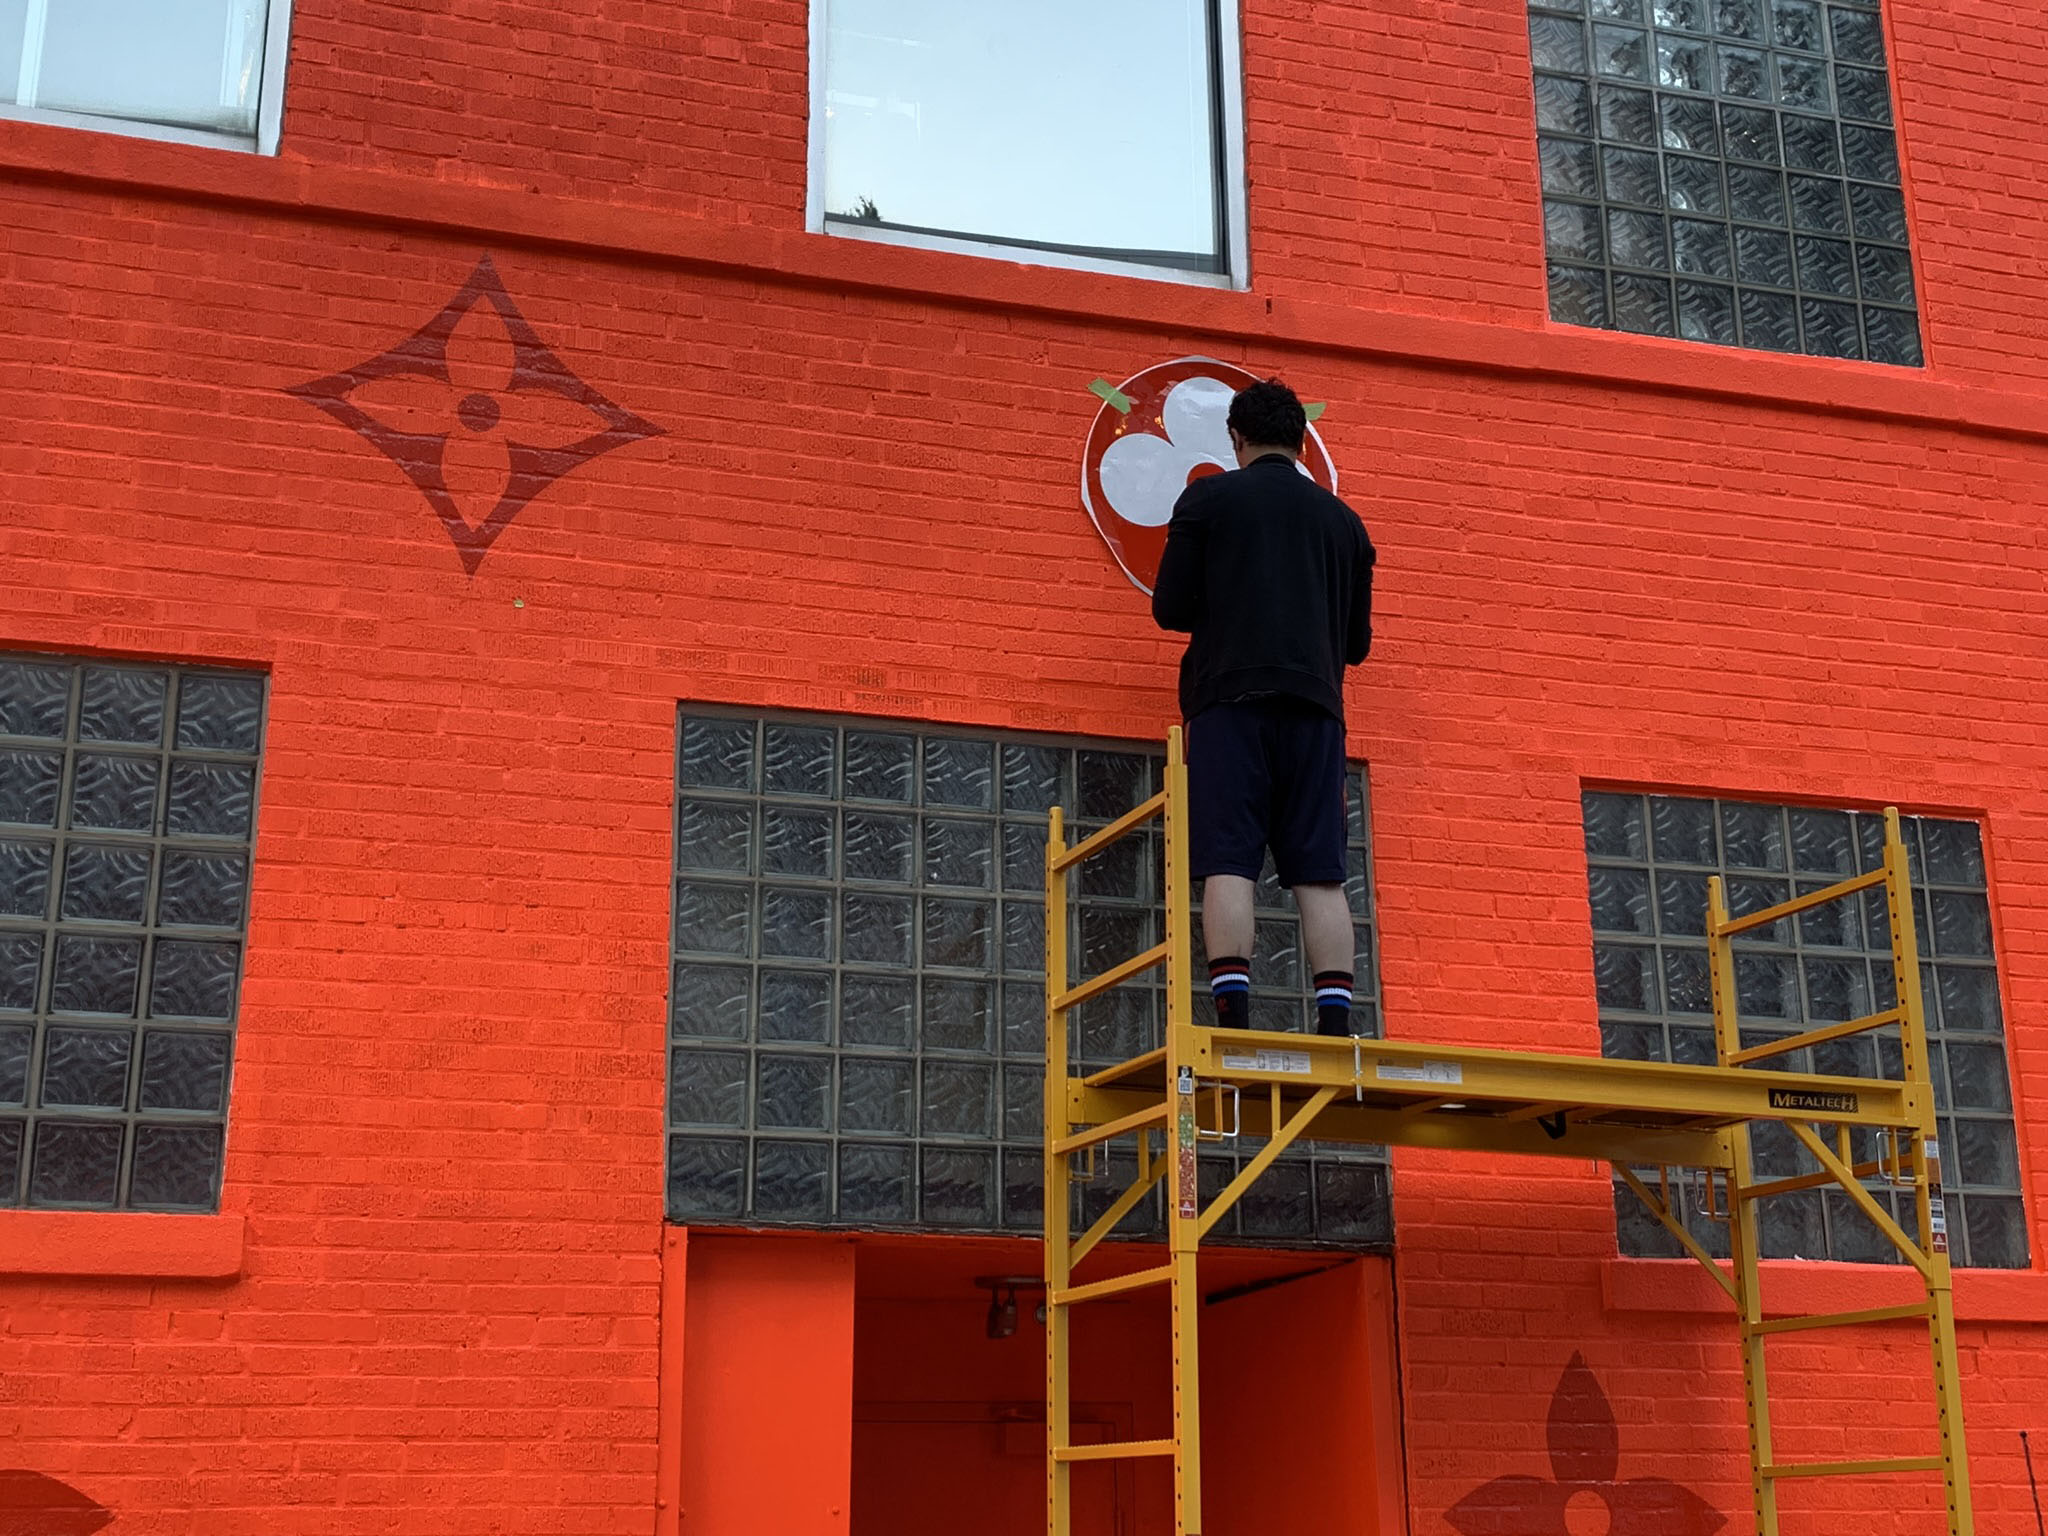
(220, 714)
(75, 1165)
(24, 878)
(197, 63)
(34, 695)
(184, 1071)
(705, 1177)
(792, 1179)
(177, 1167)
(122, 705)
(921, 97)
(13, 16)
(28, 787)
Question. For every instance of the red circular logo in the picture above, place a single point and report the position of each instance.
(1157, 434)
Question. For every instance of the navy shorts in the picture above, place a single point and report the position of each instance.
(1266, 773)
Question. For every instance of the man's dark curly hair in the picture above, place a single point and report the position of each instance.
(1268, 414)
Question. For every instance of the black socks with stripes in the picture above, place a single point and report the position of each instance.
(1230, 984)
(1333, 1003)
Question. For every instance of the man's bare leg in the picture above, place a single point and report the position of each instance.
(1331, 942)
(1227, 934)
(1227, 915)
(1325, 926)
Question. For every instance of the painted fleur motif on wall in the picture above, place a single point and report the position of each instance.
(1583, 1491)
(478, 411)
(32, 1504)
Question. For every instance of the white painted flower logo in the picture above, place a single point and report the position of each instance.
(1143, 475)
(1154, 436)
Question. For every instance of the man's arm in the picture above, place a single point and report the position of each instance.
(1177, 593)
(1358, 643)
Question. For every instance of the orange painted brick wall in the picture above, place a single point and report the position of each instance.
(1603, 559)
(1391, 150)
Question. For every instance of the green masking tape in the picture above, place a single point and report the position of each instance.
(1113, 397)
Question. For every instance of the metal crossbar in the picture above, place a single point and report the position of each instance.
(1631, 1114)
(1821, 1036)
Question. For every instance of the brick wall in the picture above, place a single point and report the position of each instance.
(1602, 559)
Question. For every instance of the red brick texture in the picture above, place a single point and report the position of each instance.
(1602, 560)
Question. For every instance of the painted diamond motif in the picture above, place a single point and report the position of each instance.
(478, 411)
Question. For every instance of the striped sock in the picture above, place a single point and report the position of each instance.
(1333, 1002)
(1230, 983)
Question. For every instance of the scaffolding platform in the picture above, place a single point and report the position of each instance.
(1649, 1120)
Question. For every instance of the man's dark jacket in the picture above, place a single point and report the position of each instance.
(1271, 576)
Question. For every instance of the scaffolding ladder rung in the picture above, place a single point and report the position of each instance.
(1115, 1450)
(1917, 1310)
(1098, 841)
(1728, 928)
(1802, 1181)
(1095, 1290)
(1115, 976)
(1110, 1130)
(1124, 1069)
(1821, 1036)
(1852, 1468)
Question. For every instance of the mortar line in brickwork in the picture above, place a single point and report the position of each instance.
(631, 236)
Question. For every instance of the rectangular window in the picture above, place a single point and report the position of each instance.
(127, 799)
(1074, 134)
(1725, 171)
(199, 71)
(858, 1004)
(1649, 858)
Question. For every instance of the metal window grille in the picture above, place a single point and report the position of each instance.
(1724, 171)
(858, 1001)
(1649, 859)
(127, 799)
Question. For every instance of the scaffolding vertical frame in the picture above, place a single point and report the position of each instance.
(1629, 1114)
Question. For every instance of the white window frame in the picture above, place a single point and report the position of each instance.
(277, 32)
(1236, 242)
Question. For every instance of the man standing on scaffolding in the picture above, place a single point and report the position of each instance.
(1270, 576)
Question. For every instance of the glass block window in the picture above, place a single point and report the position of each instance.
(127, 799)
(1726, 171)
(1649, 858)
(857, 1010)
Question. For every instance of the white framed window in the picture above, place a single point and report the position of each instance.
(1064, 133)
(192, 71)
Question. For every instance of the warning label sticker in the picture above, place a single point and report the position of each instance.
(1185, 1194)
(1418, 1072)
(1937, 1223)
(1266, 1061)
(1815, 1103)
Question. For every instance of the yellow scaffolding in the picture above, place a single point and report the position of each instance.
(1632, 1114)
